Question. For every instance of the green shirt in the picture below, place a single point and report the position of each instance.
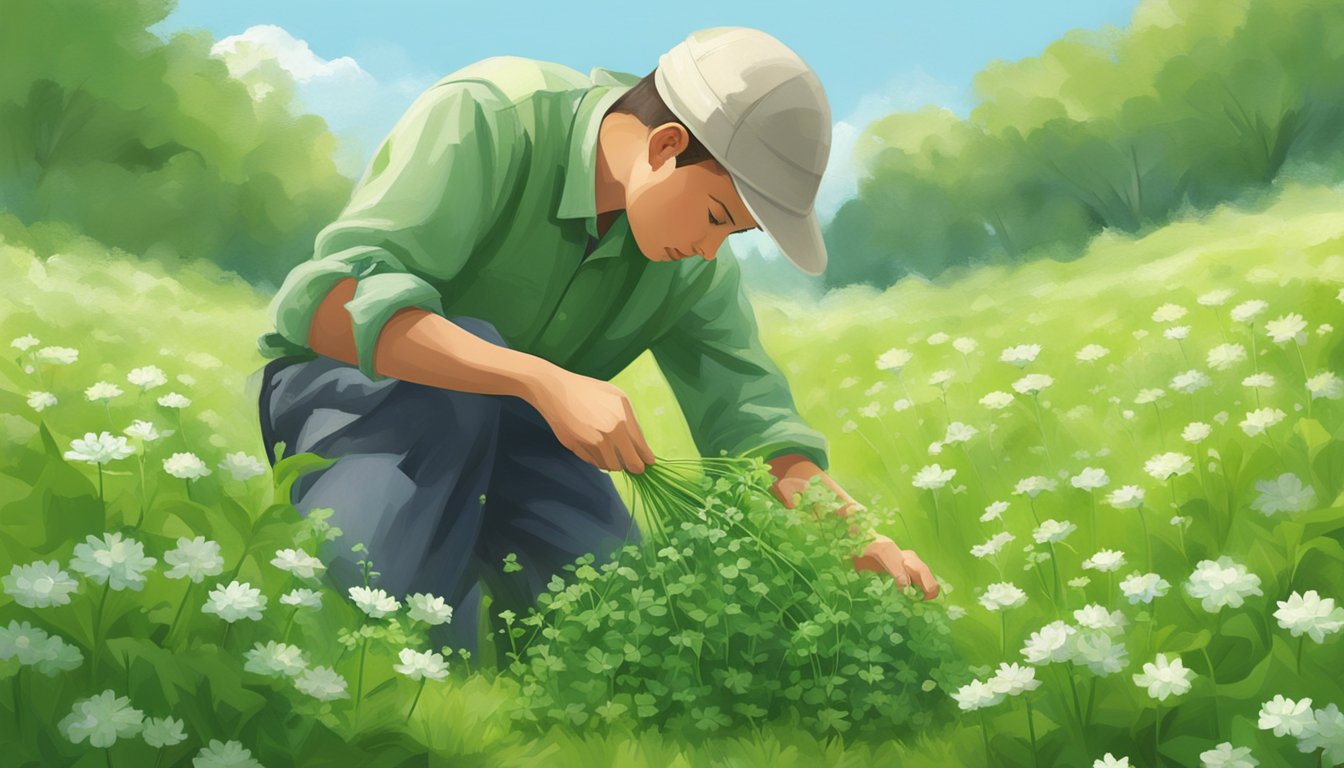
(481, 202)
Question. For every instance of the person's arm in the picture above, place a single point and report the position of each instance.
(732, 394)
(430, 194)
(426, 348)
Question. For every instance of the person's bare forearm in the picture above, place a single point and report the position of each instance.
(426, 348)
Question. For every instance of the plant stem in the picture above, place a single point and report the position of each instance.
(984, 729)
(173, 624)
(416, 700)
(1031, 729)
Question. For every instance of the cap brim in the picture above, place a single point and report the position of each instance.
(797, 236)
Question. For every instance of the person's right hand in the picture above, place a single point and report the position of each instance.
(594, 419)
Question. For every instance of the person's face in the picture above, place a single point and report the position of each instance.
(685, 212)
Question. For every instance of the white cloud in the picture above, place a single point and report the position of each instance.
(358, 108)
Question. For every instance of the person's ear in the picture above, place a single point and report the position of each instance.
(665, 143)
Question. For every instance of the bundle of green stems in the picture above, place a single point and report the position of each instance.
(674, 491)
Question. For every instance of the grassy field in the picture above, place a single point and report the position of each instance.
(1161, 450)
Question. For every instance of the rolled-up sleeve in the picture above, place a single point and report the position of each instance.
(734, 397)
(431, 192)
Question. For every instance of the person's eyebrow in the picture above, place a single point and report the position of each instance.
(730, 215)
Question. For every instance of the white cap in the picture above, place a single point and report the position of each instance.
(762, 113)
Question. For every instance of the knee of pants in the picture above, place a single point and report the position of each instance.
(482, 328)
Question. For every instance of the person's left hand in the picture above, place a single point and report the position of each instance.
(792, 473)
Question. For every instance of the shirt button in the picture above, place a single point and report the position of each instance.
(560, 316)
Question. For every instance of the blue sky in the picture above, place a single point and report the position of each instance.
(361, 63)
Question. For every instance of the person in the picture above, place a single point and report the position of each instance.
(520, 237)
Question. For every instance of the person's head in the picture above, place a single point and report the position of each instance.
(678, 198)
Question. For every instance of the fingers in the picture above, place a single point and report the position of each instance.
(641, 445)
(922, 575)
(629, 457)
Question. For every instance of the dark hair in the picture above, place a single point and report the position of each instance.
(643, 101)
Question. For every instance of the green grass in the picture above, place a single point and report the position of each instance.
(122, 314)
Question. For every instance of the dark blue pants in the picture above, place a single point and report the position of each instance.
(412, 464)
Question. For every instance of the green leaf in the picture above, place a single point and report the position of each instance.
(288, 470)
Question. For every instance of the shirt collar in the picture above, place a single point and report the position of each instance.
(577, 199)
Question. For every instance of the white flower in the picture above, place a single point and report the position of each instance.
(174, 400)
(996, 400)
(162, 732)
(1032, 383)
(102, 719)
(994, 511)
(1324, 732)
(1020, 355)
(871, 410)
(1247, 310)
(298, 562)
(955, 611)
(893, 359)
(1002, 595)
(1309, 613)
(1164, 678)
(1177, 332)
(374, 602)
(1287, 328)
(878, 386)
(1168, 313)
(102, 390)
(238, 600)
(1089, 479)
(940, 377)
(1125, 497)
(1105, 560)
(1224, 356)
(935, 448)
(1196, 431)
(39, 401)
(57, 355)
(1259, 420)
(1100, 650)
(224, 754)
(143, 430)
(964, 345)
(1033, 486)
(194, 559)
(428, 608)
(1049, 644)
(1143, 587)
(1284, 716)
(322, 683)
(958, 432)
(58, 656)
(147, 377)
(1092, 353)
(992, 547)
(118, 562)
(23, 641)
(1191, 381)
(39, 584)
(848, 382)
(1215, 298)
(302, 598)
(242, 466)
(187, 379)
(1078, 582)
(933, 477)
(1167, 465)
(1222, 583)
(187, 466)
(1283, 494)
(275, 660)
(1012, 679)
(1147, 396)
(976, 695)
(1225, 756)
(938, 338)
(421, 664)
(102, 448)
(22, 343)
(1259, 381)
(1110, 761)
(1095, 616)
(1052, 531)
(1325, 384)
